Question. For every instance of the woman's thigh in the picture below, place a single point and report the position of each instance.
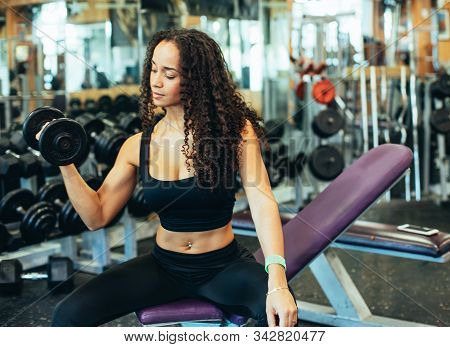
(124, 288)
(241, 289)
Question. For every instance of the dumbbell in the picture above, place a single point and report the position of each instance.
(59, 275)
(107, 141)
(327, 123)
(121, 103)
(136, 205)
(75, 108)
(37, 219)
(90, 105)
(62, 142)
(108, 144)
(326, 162)
(29, 163)
(128, 122)
(92, 125)
(323, 91)
(440, 120)
(104, 104)
(68, 219)
(10, 240)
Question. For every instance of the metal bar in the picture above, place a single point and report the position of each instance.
(364, 117)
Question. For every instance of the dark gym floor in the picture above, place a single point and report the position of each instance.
(416, 290)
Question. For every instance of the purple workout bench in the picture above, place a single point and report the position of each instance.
(306, 236)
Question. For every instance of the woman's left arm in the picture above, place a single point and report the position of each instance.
(265, 214)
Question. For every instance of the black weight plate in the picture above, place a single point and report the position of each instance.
(63, 142)
(326, 162)
(130, 123)
(69, 221)
(63, 221)
(440, 120)
(90, 105)
(34, 122)
(327, 123)
(11, 201)
(110, 147)
(441, 87)
(75, 103)
(121, 103)
(38, 222)
(92, 125)
(75, 221)
(52, 191)
(100, 144)
(137, 206)
(105, 103)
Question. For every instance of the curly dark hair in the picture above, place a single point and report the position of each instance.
(214, 111)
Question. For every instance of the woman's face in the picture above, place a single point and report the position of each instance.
(165, 76)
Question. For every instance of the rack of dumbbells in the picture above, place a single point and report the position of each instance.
(38, 220)
(436, 123)
(319, 123)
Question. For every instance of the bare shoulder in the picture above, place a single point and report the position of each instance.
(131, 148)
(248, 133)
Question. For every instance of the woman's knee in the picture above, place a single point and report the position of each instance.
(68, 314)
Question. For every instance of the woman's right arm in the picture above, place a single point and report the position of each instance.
(98, 208)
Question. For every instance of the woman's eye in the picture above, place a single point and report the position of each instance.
(170, 77)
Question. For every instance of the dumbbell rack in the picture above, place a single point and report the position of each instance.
(33, 255)
(442, 190)
(95, 252)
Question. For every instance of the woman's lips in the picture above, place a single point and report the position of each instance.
(157, 96)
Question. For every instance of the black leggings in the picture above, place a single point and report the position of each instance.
(229, 277)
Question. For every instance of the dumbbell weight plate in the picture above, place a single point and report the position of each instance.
(52, 191)
(105, 103)
(38, 222)
(90, 105)
(130, 123)
(326, 162)
(63, 142)
(11, 201)
(324, 91)
(62, 218)
(108, 146)
(67, 220)
(440, 120)
(136, 205)
(35, 121)
(327, 123)
(92, 125)
(121, 103)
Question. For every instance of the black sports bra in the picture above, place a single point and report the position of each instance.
(181, 204)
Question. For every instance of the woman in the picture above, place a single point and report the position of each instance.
(206, 127)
